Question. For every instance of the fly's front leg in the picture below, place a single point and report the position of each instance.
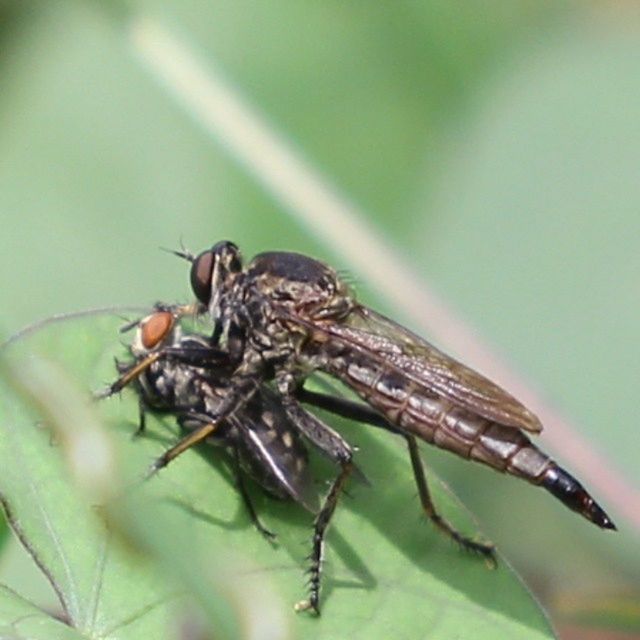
(240, 391)
(319, 531)
(486, 550)
(339, 450)
(129, 375)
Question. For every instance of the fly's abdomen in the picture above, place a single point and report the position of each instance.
(471, 436)
(567, 489)
(438, 421)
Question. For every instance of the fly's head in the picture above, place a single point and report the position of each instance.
(154, 332)
(304, 287)
(214, 273)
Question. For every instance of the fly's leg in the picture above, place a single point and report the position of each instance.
(330, 442)
(319, 531)
(355, 411)
(486, 550)
(240, 392)
(246, 498)
(142, 418)
(339, 450)
(195, 421)
(195, 356)
(185, 443)
(129, 375)
(321, 435)
(345, 408)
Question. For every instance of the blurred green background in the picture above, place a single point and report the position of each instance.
(495, 146)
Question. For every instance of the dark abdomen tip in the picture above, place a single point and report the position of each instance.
(568, 490)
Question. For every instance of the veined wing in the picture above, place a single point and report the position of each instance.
(272, 441)
(425, 365)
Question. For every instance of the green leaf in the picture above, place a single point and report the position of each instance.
(21, 620)
(387, 570)
(102, 589)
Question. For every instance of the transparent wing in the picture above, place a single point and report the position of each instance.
(425, 365)
(276, 447)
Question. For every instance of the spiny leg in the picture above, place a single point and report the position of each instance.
(246, 498)
(339, 450)
(486, 550)
(319, 531)
(356, 411)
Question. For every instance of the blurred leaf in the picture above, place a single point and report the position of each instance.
(102, 590)
(414, 583)
(21, 620)
(541, 190)
(98, 167)
(606, 610)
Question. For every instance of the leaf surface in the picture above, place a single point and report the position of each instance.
(387, 571)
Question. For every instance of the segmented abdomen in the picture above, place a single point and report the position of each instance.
(438, 421)
(418, 411)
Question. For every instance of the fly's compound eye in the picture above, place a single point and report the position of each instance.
(201, 274)
(155, 328)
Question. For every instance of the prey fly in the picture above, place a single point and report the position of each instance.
(264, 442)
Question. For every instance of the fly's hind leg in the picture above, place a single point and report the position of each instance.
(338, 450)
(362, 413)
(142, 418)
(485, 550)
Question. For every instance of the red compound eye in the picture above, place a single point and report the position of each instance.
(155, 328)
(201, 273)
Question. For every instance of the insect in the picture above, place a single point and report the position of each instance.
(261, 438)
(286, 315)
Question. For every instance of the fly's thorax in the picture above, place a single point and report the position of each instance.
(299, 285)
(169, 385)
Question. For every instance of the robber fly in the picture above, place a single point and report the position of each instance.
(286, 315)
(264, 442)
